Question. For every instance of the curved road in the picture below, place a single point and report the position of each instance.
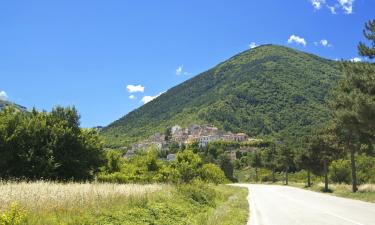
(283, 205)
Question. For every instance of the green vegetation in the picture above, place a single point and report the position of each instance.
(261, 92)
(341, 150)
(4, 104)
(146, 167)
(197, 203)
(40, 145)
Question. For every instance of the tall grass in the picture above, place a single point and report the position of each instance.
(47, 196)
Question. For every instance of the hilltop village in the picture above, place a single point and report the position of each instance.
(201, 134)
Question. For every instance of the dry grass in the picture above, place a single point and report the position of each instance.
(43, 195)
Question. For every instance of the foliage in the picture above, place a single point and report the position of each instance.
(14, 216)
(212, 173)
(37, 145)
(262, 92)
(93, 203)
(339, 171)
(146, 167)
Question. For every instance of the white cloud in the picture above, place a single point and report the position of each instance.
(332, 9)
(135, 88)
(356, 59)
(252, 45)
(325, 43)
(296, 39)
(3, 96)
(179, 70)
(317, 4)
(132, 97)
(146, 99)
(347, 5)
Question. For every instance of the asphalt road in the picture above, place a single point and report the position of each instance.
(282, 205)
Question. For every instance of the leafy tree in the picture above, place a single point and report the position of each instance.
(37, 145)
(168, 134)
(212, 173)
(226, 165)
(269, 159)
(285, 158)
(187, 164)
(256, 162)
(114, 161)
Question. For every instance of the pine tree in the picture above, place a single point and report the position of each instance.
(369, 33)
(353, 103)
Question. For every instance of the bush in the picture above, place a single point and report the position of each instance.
(199, 193)
(14, 216)
(340, 172)
(212, 173)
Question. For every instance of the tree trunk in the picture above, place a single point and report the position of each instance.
(354, 172)
(273, 175)
(286, 175)
(256, 174)
(325, 175)
(308, 178)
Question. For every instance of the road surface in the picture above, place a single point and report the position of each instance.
(283, 205)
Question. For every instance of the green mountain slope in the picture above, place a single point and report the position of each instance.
(3, 104)
(262, 91)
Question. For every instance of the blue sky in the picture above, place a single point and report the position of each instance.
(93, 53)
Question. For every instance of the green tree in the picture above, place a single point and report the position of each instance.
(353, 103)
(256, 162)
(187, 164)
(226, 165)
(269, 159)
(369, 33)
(285, 158)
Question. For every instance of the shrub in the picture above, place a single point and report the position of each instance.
(199, 193)
(339, 171)
(14, 216)
(212, 173)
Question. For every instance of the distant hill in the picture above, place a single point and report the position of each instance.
(261, 92)
(3, 104)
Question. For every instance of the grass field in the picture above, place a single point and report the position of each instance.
(48, 203)
(366, 192)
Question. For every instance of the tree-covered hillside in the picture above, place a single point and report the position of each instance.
(4, 104)
(262, 91)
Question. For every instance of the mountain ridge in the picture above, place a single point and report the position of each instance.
(242, 94)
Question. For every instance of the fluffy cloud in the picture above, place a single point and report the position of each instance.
(252, 45)
(324, 43)
(135, 88)
(347, 5)
(296, 39)
(3, 96)
(179, 70)
(146, 99)
(317, 4)
(132, 97)
(356, 59)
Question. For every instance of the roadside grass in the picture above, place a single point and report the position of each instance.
(43, 203)
(366, 192)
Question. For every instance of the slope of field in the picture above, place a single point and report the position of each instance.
(262, 91)
(127, 204)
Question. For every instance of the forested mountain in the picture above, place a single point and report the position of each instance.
(262, 91)
(3, 104)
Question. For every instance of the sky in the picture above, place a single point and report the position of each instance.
(108, 58)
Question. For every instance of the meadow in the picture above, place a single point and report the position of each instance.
(53, 203)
